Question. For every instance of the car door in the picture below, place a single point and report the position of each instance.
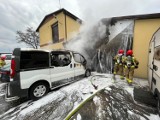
(61, 68)
(79, 62)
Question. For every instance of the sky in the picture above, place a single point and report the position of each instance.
(19, 14)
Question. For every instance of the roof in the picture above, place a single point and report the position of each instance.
(57, 12)
(138, 17)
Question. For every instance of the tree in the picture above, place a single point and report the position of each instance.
(30, 37)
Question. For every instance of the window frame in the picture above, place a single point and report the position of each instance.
(58, 62)
(81, 56)
(55, 30)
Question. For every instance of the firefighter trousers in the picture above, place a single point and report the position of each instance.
(118, 69)
(129, 72)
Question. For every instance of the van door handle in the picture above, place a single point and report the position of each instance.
(74, 65)
(155, 67)
(70, 65)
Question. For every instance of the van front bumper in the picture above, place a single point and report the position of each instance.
(14, 92)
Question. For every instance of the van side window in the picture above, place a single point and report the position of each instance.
(157, 53)
(34, 59)
(78, 58)
(60, 59)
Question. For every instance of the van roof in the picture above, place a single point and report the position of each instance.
(32, 49)
(45, 50)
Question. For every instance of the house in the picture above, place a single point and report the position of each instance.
(133, 31)
(57, 28)
(137, 32)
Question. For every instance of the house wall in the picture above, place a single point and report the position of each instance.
(72, 27)
(143, 32)
(66, 26)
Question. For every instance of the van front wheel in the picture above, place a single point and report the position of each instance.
(87, 73)
(38, 90)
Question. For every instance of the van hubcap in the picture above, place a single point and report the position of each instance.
(39, 91)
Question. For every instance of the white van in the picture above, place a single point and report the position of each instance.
(34, 72)
(154, 66)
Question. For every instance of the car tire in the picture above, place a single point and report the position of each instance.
(38, 90)
(158, 105)
(87, 73)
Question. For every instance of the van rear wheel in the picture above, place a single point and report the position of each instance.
(38, 90)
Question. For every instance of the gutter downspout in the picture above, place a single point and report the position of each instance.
(65, 26)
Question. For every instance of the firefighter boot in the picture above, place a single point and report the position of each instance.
(129, 81)
(122, 77)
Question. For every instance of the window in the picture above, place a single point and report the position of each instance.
(8, 57)
(79, 58)
(34, 59)
(157, 53)
(60, 59)
(55, 33)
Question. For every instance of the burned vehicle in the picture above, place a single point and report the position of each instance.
(34, 72)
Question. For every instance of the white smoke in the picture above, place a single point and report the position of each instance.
(90, 34)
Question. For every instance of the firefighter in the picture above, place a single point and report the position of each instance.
(2, 61)
(130, 63)
(118, 65)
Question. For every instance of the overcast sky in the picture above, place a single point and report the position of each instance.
(19, 14)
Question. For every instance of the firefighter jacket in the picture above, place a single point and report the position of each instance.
(2, 63)
(118, 59)
(130, 62)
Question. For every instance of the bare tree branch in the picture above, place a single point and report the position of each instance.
(30, 37)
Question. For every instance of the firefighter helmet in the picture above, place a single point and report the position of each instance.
(3, 57)
(121, 51)
(129, 52)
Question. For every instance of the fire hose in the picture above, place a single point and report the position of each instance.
(80, 105)
(85, 101)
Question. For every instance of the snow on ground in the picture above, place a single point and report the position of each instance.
(2, 88)
(114, 102)
(76, 92)
(83, 89)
